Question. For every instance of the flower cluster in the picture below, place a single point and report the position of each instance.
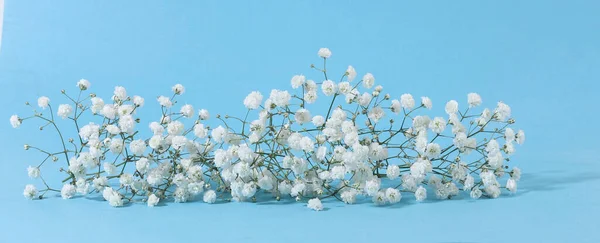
(363, 144)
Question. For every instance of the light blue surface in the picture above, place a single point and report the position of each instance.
(541, 57)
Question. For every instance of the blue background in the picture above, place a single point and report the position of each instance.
(540, 57)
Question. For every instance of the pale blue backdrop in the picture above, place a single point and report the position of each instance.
(541, 57)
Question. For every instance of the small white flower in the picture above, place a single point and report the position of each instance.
(302, 116)
(421, 194)
(280, 98)
(120, 93)
(30, 192)
(43, 102)
(153, 200)
(297, 81)
(64, 110)
(68, 191)
(210, 197)
(33, 172)
(97, 105)
(351, 73)
(451, 107)
(520, 137)
(425, 101)
(407, 101)
(165, 101)
(110, 169)
(138, 101)
(511, 185)
(187, 111)
(178, 89)
(328, 87)
(137, 147)
(324, 52)
(379, 198)
(200, 131)
(474, 100)
(204, 115)
(349, 196)
(476, 193)
(315, 204)
(218, 134)
(368, 80)
(438, 125)
(83, 84)
(502, 112)
(15, 121)
(253, 100)
(393, 195)
(142, 165)
(393, 172)
(318, 121)
(516, 174)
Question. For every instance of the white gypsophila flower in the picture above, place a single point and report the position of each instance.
(433, 150)
(280, 98)
(113, 130)
(297, 81)
(100, 183)
(511, 185)
(126, 179)
(516, 173)
(520, 137)
(315, 204)
(318, 121)
(349, 196)
(426, 102)
(328, 87)
(142, 165)
(502, 112)
(138, 101)
(379, 198)
(310, 96)
(253, 100)
(15, 121)
(178, 89)
(110, 168)
(396, 107)
(438, 125)
(372, 186)
(113, 197)
(421, 194)
(393, 195)
(137, 147)
(203, 114)
(153, 200)
(368, 80)
(302, 116)
(407, 101)
(344, 88)
(123, 110)
(165, 101)
(83, 187)
(200, 131)
(218, 134)
(476, 193)
(120, 93)
(210, 197)
(109, 111)
(392, 172)
(64, 110)
(365, 99)
(83, 84)
(97, 105)
(469, 183)
(324, 53)
(350, 73)
(187, 111)
(179, 142)
(68, 191)
(509, 135)
(127, 124)
(30, 192)
(474, 100)
(33, 172)
(376, 114)
(156, 128)
(175, 128)
(43, 102)
(451, 107)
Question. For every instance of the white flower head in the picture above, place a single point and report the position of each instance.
(297, 81)
(315, 204)
(43, 102)
(210, 197)
(165, 101)
(33, 172)
(15, 121)
(474, 100)
(324, 53)
(30, 192)
(421, 194)
(64, 110)
(203, 114)
(120, 93)
(350, 73)
(329, 88)
(178, 89)
(426, 102)
(368, 80)
(451, 107)
(83, 84)
(187, 111)
(253, 100)
(407, 101)
(153, 200)
(138, 101)
(68, 191)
